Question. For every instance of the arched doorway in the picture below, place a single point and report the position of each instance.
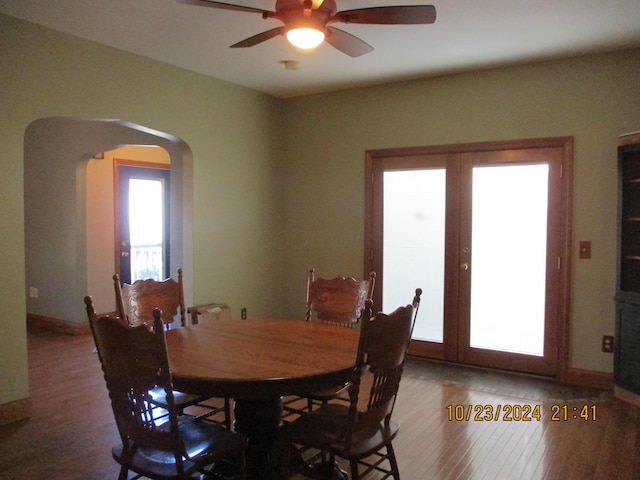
(56, 152)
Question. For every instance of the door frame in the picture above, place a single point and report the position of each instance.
(117, 163)
(373, 157)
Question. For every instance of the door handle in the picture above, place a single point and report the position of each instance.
(124, 254)
(465, 266)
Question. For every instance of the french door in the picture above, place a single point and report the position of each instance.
(483, 230)
(141, 220)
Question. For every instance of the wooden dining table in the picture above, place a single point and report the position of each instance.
(257, 362)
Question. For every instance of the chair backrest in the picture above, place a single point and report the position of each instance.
(135, 302)
(340, 300)
(134, 360)
(382, 349)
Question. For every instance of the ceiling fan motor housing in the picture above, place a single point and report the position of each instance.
(296, 13)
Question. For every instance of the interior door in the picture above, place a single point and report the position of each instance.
(142, 220)
(482, 229)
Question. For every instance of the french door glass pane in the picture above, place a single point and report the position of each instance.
(413, 256)
(509, 229)
(146, 229)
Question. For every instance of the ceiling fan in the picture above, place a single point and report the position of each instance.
(307, 23)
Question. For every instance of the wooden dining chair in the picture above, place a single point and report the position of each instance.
(168, 446)
(362, 431)
(136, 302)
(338, 301)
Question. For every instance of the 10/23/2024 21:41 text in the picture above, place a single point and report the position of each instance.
(519, 412)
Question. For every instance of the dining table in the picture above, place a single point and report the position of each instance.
(257, 362)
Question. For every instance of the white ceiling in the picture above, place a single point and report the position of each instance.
(467, 34)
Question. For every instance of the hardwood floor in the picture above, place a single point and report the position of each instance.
(72, 430)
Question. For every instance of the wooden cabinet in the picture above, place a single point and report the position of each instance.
(627, 334)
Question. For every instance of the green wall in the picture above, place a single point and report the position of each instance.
(231, 131)
(278, 184)
(593, 98)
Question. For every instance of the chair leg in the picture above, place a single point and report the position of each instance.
(124, 473)
(242, 461)
(227, 413)
(391, 455)
(280, 454)
(355, 475)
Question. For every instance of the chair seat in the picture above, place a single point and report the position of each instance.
(206, 410)
(340, 393)
(182, 399)
(323, 428)
(328, 394)
(204, 442)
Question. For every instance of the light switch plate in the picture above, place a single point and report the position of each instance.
(585, 249)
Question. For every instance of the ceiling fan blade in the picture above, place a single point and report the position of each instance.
(259, 38)
(347, 43)
(392, 15)
(226, 6)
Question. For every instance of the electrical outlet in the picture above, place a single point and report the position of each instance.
(607, 343)
(243, 313)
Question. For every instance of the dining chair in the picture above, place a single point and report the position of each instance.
(337, 301)
(361, 432)
(169, 446)
(136, 303)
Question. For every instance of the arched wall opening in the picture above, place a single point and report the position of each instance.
(57, 150)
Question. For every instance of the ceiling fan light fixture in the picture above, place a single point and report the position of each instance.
(305, 38)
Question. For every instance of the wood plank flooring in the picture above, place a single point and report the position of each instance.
(72, 430)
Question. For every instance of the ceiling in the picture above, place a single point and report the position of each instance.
(467, 35)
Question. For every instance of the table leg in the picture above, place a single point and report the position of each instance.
(260, 420)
